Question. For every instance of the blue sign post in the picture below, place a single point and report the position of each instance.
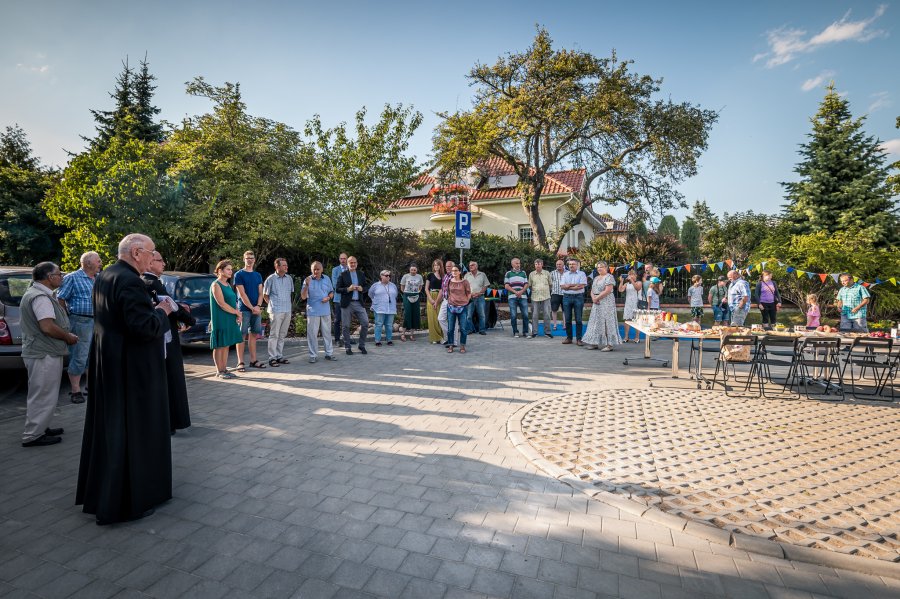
(463, 233)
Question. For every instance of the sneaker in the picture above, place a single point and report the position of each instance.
(349, 352)
(482, 333)
(77, 397)
(568, 341)
(515, 335)
(312, 360)
(390, 343)
(606, 348)
(331, 358)
(532, 336)
(548, 335)
(362, 350)
(378, 344)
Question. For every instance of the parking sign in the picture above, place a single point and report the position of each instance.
(463, 230)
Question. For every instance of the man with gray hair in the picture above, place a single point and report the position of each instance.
(75, 298)
(738, 298)
(45, 335)
(126, 455)
(318, 291)
(277, 291)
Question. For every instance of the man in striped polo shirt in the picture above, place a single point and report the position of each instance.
(516, 284)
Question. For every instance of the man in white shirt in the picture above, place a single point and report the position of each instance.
(478, 282)
(572, 284)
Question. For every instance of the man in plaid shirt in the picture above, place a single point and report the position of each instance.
(75, 296)
(852, 299)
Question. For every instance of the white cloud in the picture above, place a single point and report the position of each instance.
(879, 100)
(40, 69)
(891, 146)
(786, 43)
(817, 81)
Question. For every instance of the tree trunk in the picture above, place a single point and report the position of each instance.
(531, 203)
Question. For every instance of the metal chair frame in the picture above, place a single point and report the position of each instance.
(875, 354)
(767, 356)
(732, 340)
(830, 361)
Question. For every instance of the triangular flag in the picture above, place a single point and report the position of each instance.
(893, 280)
(836, 276)
(811, 275)
(687, 267)
(671, 270)
(865, 284)
(823, 276)
(679, 268)
(640, 264)
(878, 281)
(780, 263)
(791, 269)
(763, 264)
(856, 279)
(720, 265)
(759, 267)
(703, 267)
(800, 273)
(729, 263)
(750, 267)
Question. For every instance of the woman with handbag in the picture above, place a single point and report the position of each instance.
(433, 299)
(458, 293)
(634, 293)
(411, 287)
(769, 299)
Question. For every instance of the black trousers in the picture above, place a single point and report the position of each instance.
(769, 314)
(336, 321)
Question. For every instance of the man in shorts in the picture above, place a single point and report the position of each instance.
(249, 285)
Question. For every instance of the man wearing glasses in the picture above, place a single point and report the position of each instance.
(45, 341)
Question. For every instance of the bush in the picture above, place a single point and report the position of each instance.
(300, 325)
(492, 253)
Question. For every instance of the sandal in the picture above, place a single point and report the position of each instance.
(402, 337)
(450, 349)
(226, 375)
(462, 350)
(241, 367)
(257, 364)
(283, 361)
(274, 363)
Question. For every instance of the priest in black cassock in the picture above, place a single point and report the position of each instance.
(179, 412)
(126, 455)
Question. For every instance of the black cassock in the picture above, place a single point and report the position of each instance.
(179, 412)
(126, 454)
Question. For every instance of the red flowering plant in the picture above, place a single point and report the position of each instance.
(450, 198)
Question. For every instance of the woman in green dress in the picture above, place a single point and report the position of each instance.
(225, 318)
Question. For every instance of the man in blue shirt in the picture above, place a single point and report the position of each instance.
(318, 292)
(335, 273)
(75, 297)
(738, 298)
(852, 299)
(249, 285)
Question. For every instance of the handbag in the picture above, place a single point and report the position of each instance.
(456, 309)
(642, 303)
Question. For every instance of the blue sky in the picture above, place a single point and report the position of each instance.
(763, 65)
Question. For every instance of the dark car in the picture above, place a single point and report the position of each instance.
(191, 288)
(14, 280)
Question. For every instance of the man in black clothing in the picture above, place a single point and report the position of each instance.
(353, 287)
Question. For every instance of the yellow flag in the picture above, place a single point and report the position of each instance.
(672, 270)
(800, 273)
(893, 280)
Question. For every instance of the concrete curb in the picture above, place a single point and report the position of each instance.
(713, 534)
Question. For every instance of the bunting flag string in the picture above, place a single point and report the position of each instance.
(757, 267)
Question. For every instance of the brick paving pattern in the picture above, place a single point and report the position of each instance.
(803, 472)
(387, 475)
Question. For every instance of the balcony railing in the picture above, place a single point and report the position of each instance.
(447, 209)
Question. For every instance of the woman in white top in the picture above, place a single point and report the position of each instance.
(653, 293)
(632, 289)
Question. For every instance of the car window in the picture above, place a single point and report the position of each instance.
(12, 287)
(195, 288)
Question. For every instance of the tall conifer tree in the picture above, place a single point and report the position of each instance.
(843, 179)
(145, 126)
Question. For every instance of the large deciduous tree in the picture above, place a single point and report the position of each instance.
(239, 178)
(357, 174)
(843, 179)
(547, 109)
(27, 236)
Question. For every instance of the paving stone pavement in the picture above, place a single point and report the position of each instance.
(808, 473)
(386, 475)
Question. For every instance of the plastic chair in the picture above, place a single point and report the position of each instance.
(730, 343)
(776, 350)
(875, 354)
(825, 356)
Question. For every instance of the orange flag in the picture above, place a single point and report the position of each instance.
(687, 267)
(729, 263)
(823, 276)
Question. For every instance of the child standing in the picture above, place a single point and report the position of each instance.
(813, 313)
(653, 293)
(695, 297)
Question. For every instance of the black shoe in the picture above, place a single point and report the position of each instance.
(362, 350)
(349, 352)
(390, 343)
(42, 440)
(77, 397)
(482, 333)
(54, 432)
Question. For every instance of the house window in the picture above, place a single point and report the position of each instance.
(526, 234)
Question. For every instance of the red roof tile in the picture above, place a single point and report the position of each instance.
(557, 183)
